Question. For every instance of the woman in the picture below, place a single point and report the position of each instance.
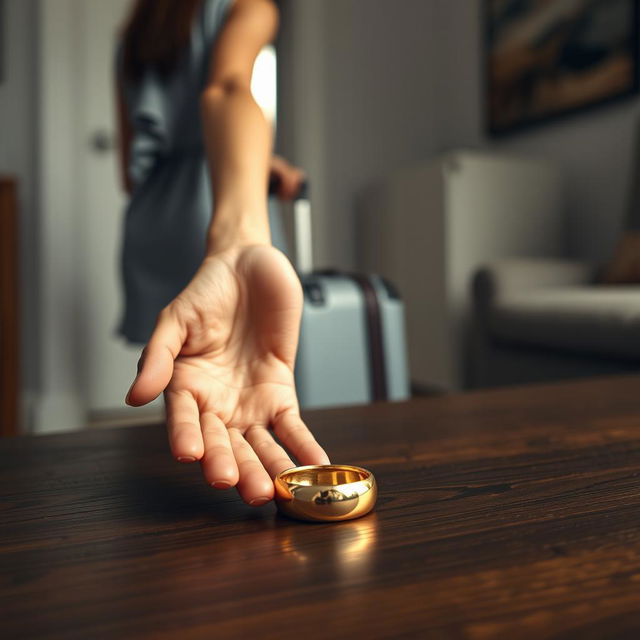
(223, 349)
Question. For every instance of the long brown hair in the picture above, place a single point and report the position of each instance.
(155, 35)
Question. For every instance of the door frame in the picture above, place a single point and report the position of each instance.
(58, 404)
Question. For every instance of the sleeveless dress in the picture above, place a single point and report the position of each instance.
(169, 212)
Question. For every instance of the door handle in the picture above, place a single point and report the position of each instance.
(102, 141)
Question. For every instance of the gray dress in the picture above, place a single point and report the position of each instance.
(170, 207)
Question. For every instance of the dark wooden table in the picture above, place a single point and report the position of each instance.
(500, 514)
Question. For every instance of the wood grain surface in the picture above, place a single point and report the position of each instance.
(511, 513)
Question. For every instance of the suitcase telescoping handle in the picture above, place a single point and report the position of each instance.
(303, 247)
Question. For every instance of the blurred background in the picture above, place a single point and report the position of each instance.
(479, 154)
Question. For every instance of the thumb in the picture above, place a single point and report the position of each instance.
(155, 366)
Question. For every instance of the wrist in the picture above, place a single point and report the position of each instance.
(236, 229)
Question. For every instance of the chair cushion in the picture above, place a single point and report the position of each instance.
(589, 319)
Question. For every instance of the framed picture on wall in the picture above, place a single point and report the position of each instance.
(550, 58)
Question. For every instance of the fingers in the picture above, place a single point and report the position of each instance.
(254, 485)
(218, 465)
(183, 425)
(156, 363)
(297, 438)
(273, 457)
(228, 458)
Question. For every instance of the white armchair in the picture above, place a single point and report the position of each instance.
(540, 319)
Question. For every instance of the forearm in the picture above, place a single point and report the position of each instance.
(238, 144)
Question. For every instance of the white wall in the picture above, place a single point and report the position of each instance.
(370, 85)
(594, 149)
(357, 86)
(18, 93)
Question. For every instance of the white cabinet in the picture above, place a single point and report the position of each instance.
(428, 228)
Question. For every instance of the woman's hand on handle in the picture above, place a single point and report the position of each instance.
(288, 178)
(223, 352)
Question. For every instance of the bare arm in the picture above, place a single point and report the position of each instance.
(223, 351)
(237, 135)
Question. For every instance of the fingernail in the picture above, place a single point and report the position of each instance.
(258, 502)
(220, 484)
(186, 459)
(127, 398)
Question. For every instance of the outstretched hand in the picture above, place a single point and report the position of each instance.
(223, 352)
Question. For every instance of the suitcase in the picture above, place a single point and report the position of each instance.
(352, 347)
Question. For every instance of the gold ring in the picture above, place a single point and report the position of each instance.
(325, 493)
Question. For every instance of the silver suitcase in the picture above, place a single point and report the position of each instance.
(352, 346)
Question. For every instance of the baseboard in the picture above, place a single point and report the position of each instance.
(125, 416)
(53, 413)
(28, 399)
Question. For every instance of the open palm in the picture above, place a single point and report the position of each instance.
(223, 351)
